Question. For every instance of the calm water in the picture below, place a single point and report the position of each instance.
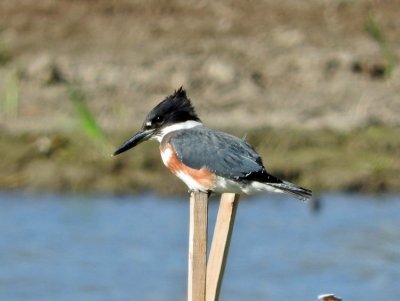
(106, 248)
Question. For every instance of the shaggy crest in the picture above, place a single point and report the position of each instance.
(175, 108)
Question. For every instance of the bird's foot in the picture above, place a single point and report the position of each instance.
(190, 191)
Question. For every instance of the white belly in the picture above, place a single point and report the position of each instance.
(191, 183)
(226, 185)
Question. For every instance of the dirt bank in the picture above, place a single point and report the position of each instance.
(361, 160)
(322, 69)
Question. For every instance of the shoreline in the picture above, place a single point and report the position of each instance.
(362, 160)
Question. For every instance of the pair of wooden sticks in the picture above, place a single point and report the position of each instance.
(205, 277)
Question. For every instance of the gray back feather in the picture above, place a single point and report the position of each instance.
(225, 155)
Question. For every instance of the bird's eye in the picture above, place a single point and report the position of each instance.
(158, 119)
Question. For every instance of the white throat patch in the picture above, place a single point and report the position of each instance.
(176, 127)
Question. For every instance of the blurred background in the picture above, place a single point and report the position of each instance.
(313, 85)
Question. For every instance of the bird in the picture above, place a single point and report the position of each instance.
(204, 159)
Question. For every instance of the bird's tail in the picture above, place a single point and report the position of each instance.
(300, 193)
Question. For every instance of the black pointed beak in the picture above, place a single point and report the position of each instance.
(138, 138)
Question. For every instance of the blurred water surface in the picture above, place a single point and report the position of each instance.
(58, 247)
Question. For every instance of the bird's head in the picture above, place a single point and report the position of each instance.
(174, 109)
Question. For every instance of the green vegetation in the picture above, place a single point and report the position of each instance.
(9, 101)
(375, 31)
(361, 160)
(86, 120)
(5, 54)
(366, 159)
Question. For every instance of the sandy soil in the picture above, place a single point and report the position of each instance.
(256, 63)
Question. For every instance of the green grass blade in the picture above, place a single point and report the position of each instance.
(10, 102)
(86, 120)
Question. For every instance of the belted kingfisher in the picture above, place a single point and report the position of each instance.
(204, 159)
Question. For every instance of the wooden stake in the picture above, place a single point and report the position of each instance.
(197, 261)
(220, 244)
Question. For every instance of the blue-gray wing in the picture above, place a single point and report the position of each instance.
(223, 154)
(227, 156)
